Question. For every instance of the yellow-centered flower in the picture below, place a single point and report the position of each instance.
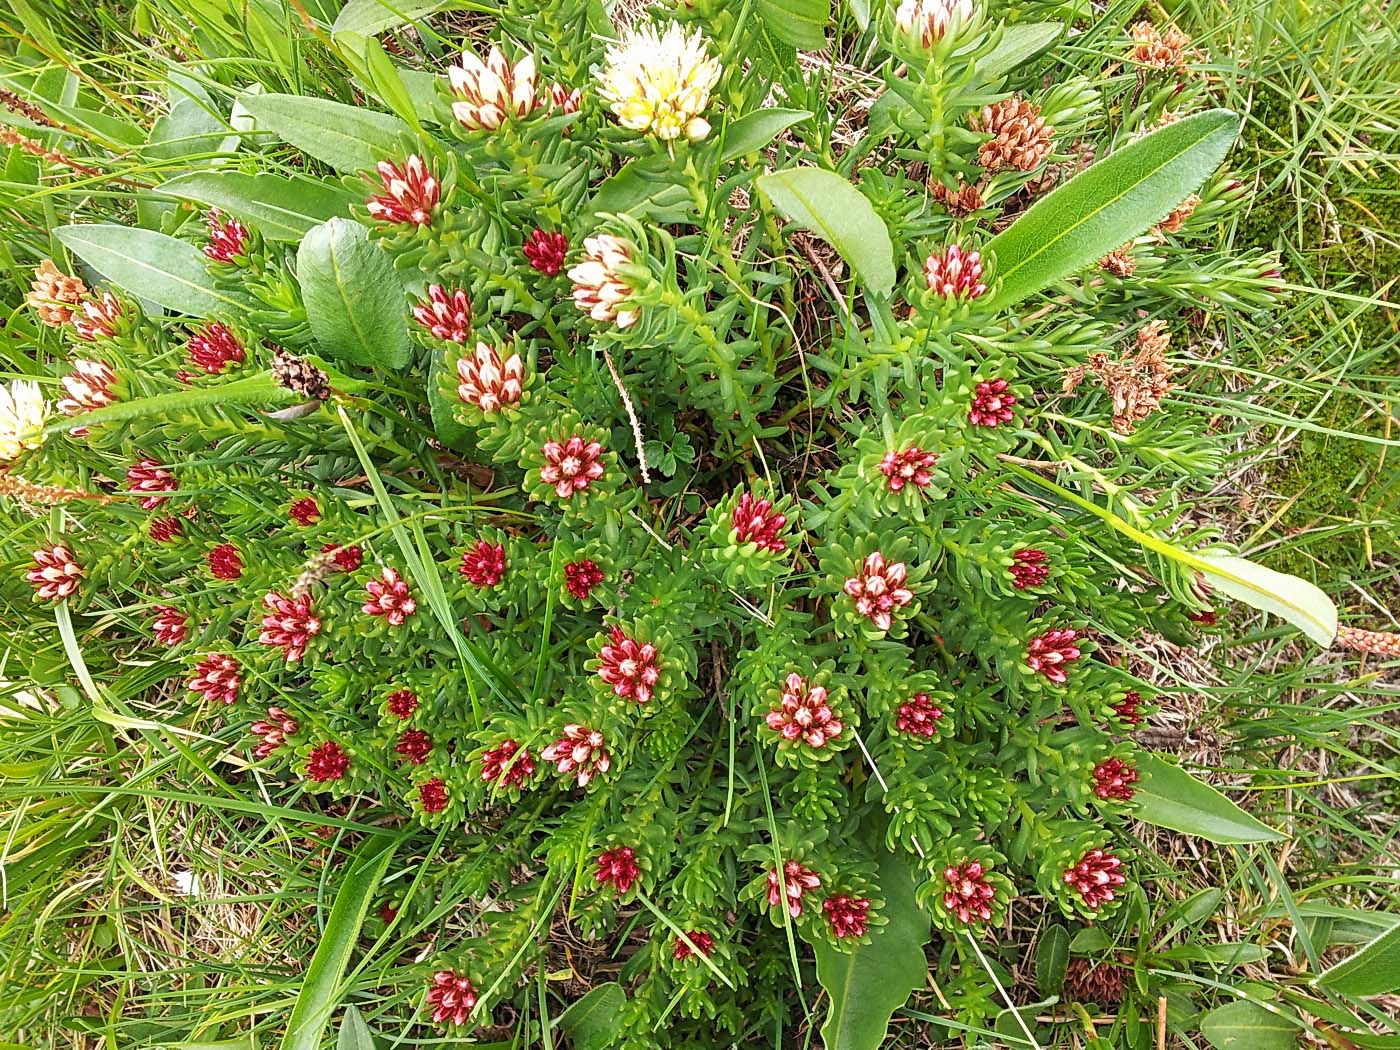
(22, 415)
(660, 83)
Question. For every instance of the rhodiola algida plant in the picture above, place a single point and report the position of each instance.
(715, 498)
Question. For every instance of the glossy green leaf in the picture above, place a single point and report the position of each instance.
(451, 433)
(1374, 969)
(867, 984)
(354, 1033)
(751, 132)
(800, 23)
(1299, 602)
(1051, 959)
(1108, 204)
(320, 989)
(279, 208)
(1244, 1025)
(354, 300)
(150, 266)
(1170, 797)
(591, 1022)
(348, 138)
(826, 204)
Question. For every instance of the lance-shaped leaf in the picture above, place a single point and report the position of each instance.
(1108, 204)
(1170, 797)
(279, 208)
(354, 301)
(867, 984)
(826, 204)
(751, 132)
(151, 266)
(1372, 970)
(348, 138)
(801, 23)
(371, 17)
(1246, 1025)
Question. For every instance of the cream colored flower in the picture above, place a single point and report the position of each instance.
(22, 415)
(929, 20)
(660, 83)
(598, 287)
(490, 93)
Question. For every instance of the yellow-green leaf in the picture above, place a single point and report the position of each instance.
(1296, 600)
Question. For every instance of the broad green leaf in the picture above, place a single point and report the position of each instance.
(801, 23)
(591, 1022)
(1170, 797)
(279, 208)
(1245, 1025)
(1344, 925)
(868, 983)
(354, 1033)
(348, 138)
(1299, 602)
(371, 17)
(1374, 969)
(320, 988)
(151, 266)
(354, 301)
(1018, 44)
(189, 130)
(829, 206)
(1108, 204)
(751, 132)
(451, 433)
(261, 390)
(1051, 959)
(640, 189)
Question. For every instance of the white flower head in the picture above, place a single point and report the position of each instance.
(660, 83)
(23, 412)
(490, 93)
(928, 21)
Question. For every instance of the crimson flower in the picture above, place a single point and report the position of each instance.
(629, 666)
(415, 746)
(1127, 709)
(754, 522)
(228, 238)
(788, 888)
(919, 716)
(163, 530)
(446, 314)
(991, 404)
(955, 274)
(910, 466)
(389, 598)
(213, 348)
(699, 938)
(878, 590)
(804, 714)
(1050, 653)
(580, 577)
(1030, 567)
(347, 559)
(618, 868)
(98, 319)
(484, 563)
(87, 388)
(170, 625)
(507, 765)
(432, 795)
(848, 916)
(150, 477)
(571, 466)
(216, 678)
(55, 574)
(225, 563)
(546, 251)
(968, 893)
(452, 998)
(402, 703)
(1114, 779)
(411, 193)
(327, 761)
(579, 751)
(1096, 878)
(288, 623)
(273, 732)
(305, 511)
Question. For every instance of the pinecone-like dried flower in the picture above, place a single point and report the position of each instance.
(300, 376)
(1020, 138)
(1378, 643)
(53, 294)
(1138, 383)
(961, 202)
(1159, 49)
(1120, 261)
(1177, 219)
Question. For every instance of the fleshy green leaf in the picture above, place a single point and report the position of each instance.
(261, 390)
(1170, 797)
(1108, 204)
(354, 301)
(591, 1022)
(1245, 1025)
(354, 1033)
(829, 206)
(1299, 602)
(867, 984)
(150, 266)
(348, 138)
(320, 988)
(753, 131)
(1373, 970)
(801, 23)
(281, 209)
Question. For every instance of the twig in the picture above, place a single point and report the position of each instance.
(631, 415)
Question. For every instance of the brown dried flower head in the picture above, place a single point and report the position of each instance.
(1120, 261)
(53, 294)
(961, 202)
(1020, 138)
(1177, 219)
(1159, 49)
(1136, 383)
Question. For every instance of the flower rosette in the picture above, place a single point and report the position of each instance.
(582, 574)
(988, 403)
(493, 388)
(1080, 870)
(436, 793)
(635, 667)
(874, 582)
(1051, 652)
(568, 465)
(751, 537)
(916, 711)
(506, 764)
(791, 879)
(967, 888)
(907, 464)
(331, 765)
(492, 570)
(806, 716)
(409, 205)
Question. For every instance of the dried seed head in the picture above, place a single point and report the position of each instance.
(300, 376)
(1020, 138)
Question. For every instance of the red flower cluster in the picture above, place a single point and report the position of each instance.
(955, 274)
(991, 404)
(163, 530)
(213, 348)
(1030, 567)
(754, 522)
(629, 666)
(415, 746)
(55, 574)
(804, 714)
(618, 868)
(411, 193)
(216, 678)
(1050, 653)
(389, 598)
(432, 795)
(228, 238)
(452, 997)
(910, 466)
(305, 511)
(579, 751)
(445, 314)
(571, 466)
(1114, 779)
(1096, 878)
(507, 765)
(546, 251)
(273, 733)
(150, 477)
(700, 938)
(225, 563)
(580, 577)
(848, 916)
(327, 761)
(170, 625)
(1127, 709)
(918, 716)
(402, 703)
(347, 559)
(484, 564)
(967, 893)
(878, 590)
(289, 623)
(788, 888)
(98, 319)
